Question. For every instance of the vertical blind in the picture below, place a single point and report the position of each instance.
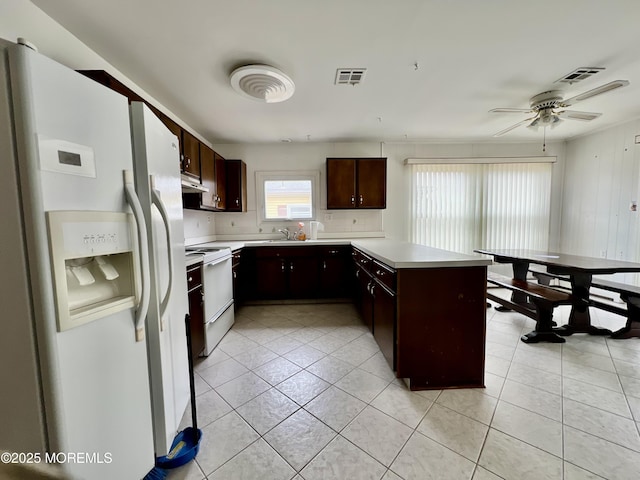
(460, 207)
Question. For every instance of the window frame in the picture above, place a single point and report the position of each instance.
(287, 175)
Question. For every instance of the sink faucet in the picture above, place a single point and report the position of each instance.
(285, 231)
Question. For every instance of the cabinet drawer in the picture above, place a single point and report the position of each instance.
(362, 259)
(236, 256)
(385, 275)
(335, 251)
(194, 277)
(286, 252)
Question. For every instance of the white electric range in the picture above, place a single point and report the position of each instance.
(217, 286)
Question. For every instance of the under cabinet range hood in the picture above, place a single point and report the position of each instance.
(192, 184)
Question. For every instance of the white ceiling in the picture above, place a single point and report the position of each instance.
(472, 56)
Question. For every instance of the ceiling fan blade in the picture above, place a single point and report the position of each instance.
(511, 110)
(506, 130)
(607, 87)
(575, 115)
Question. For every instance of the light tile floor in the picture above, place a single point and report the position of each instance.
(302, 392)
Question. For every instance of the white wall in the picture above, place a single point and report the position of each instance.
(297, 156)
(392, 222)
(602, 179)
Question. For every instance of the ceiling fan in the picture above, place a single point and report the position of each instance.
(549, 106)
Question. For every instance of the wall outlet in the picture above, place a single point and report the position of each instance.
(328, 217)
(603, 254)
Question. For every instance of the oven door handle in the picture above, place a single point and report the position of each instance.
(136, 208)
(156, 200)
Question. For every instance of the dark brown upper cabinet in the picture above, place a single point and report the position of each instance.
(221, 181)
(236, 193)
(190, 154)
(356, 183)
(212, 176)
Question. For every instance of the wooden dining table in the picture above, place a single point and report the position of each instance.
(580, 271)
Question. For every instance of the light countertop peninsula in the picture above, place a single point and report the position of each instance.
(394, 253)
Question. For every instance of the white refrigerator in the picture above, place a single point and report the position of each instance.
(88, 378)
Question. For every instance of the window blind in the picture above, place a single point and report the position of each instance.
(461, 207)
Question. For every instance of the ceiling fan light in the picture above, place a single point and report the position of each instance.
(263, 83)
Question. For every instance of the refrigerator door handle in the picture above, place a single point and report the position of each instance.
(136, 208)
(159, 204)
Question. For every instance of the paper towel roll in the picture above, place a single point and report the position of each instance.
(314, 228)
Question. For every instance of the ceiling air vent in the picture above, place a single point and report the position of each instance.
(350, 76)
(579, 74)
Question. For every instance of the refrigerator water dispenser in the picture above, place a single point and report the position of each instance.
(94, 267)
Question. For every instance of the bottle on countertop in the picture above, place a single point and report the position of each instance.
(300, 235)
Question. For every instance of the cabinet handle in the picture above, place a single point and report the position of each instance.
(363, 261)
(237, 202)
(372, 290)
(283, 265)
(353, 199)
(358, 273)
(235, 275)
(361, 199)
(324, 265)
(190, 279)
(291, 267)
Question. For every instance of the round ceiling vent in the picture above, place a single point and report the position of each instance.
(262, 82)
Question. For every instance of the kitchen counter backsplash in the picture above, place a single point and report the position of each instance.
(208, 226)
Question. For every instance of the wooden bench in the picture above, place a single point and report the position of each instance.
(544, 300)
(630, 294)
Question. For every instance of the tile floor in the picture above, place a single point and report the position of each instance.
(302, 392)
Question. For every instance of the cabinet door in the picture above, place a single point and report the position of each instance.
(221, 180)
(335, 272)
(271, 277)
(196, 312)
(191, 154)
(236, 193)
(303, 276)
(384, 322)
(366, 298)
(208, 177)
(341, 183)
(372, 183)
(237, 276)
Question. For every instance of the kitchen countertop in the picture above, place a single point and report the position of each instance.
(394, 253)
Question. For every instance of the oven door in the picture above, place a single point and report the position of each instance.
(217, 283)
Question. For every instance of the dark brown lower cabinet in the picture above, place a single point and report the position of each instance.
(440, 326)
(335, 272)
(384, 320)
(286, 272)
(428, 322)
(196, 309)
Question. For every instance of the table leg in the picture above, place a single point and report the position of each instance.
(544, 331)
(580, 318)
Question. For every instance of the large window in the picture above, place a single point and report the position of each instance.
(287, 195)
(461, 207)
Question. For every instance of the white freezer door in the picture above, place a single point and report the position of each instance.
(157, 162)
